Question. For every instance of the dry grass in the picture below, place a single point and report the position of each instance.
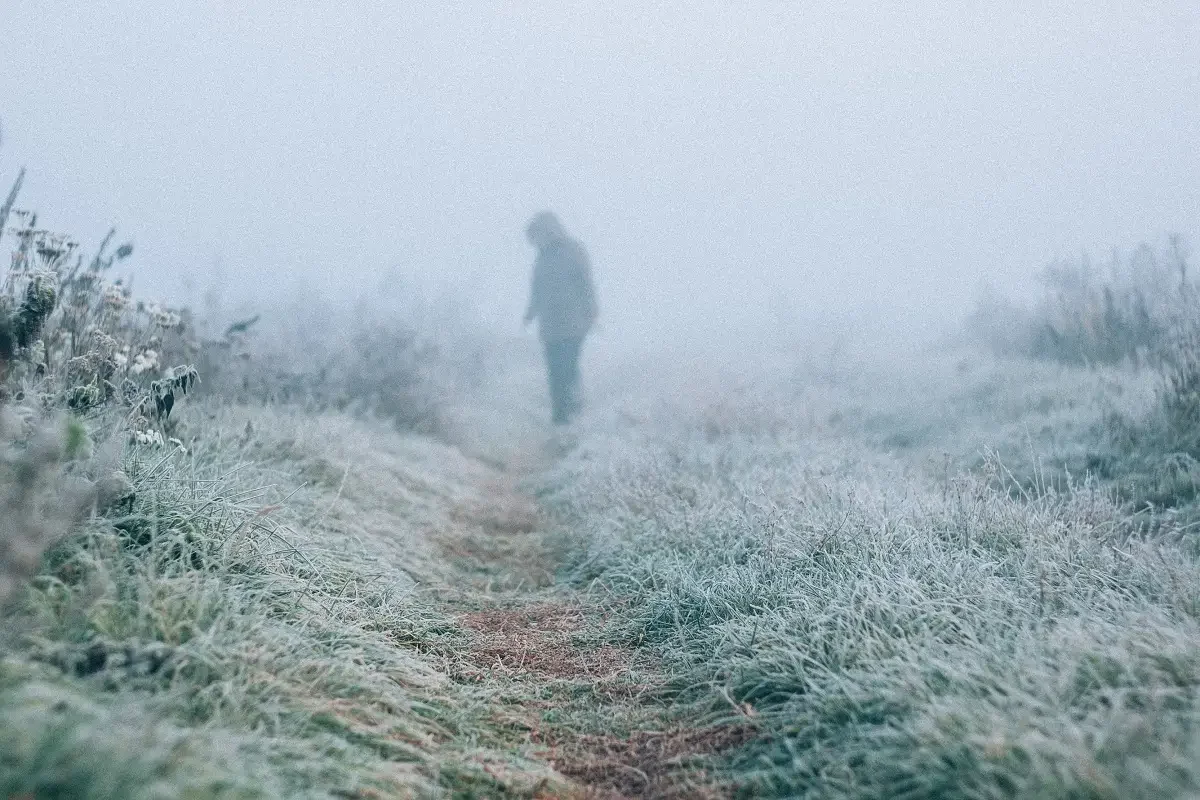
(656, 764)
(305, 612)
(538, 639)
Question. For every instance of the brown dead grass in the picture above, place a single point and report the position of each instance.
(540, 639)
(535, 645)
(648, 764)
(542, 642)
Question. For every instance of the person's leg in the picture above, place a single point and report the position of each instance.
(574, 381)
(557, 375)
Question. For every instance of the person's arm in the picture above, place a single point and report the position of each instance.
(588, 287)
(534, 308)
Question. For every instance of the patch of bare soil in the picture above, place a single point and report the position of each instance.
(539, 639)
(546, 641)
(535, 643)
(658, 764)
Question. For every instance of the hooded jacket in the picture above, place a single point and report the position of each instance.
(562, 297)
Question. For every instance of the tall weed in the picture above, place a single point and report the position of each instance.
(1119, 311)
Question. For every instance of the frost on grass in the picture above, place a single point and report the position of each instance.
(287, 618)
(244, 596)
(893, 630)
(212, 599)
(38, 505)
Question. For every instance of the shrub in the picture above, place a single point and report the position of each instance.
(390, 370)
(74, 347)
(72, 337)
(383, 358)
(1121, 311)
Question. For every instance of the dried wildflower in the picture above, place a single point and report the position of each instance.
(144, 361)
(102, 344)
(177, 444)
(87, 396)
(120, 359)
(131, 393)
(164, 319)
(147, 437)
(114, 297)
(41, 294)
(79, 367)
(180, 379)
(51, 246)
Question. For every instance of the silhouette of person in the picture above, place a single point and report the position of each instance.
(562, 299)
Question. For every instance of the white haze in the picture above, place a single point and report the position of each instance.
(728, 164)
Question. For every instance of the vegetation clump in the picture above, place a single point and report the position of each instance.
(1122, 311)
(214, 598)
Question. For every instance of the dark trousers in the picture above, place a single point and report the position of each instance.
(562, 372)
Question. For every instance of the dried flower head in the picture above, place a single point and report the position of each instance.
(165, 319)
(114, 297)
(144, 362)
(147, 437)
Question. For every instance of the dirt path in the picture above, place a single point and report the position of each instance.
(565, 692)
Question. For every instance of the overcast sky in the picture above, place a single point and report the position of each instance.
(716, 156)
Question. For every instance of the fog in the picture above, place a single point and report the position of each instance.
(727, 164)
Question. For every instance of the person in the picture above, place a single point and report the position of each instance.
(562, 299)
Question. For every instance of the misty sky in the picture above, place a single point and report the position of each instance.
(719, 159)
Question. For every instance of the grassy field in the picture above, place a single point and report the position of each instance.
(776, 591)
(898, 619)
(935, 573)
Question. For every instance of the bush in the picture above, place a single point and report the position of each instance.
(80, 360)
(72, 338)
(1122, 311)
(382, 359)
